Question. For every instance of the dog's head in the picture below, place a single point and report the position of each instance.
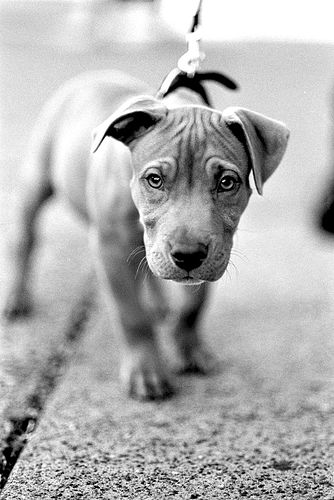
(191, 168)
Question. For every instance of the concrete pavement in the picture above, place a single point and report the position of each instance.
(262, 428)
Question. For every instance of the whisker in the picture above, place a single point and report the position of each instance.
(138, 250)
(244, 230)
(236, 270)
(138, 267)
(141, 266)
(147, 272)
(227, 274)
(238, 253)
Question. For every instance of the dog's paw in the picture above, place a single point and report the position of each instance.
(144, 377)
(18, 306)
(198, 360)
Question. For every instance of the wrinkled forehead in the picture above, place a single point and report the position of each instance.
(192, 134)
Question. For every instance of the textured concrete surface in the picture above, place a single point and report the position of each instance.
(31, 349)
(262, 427)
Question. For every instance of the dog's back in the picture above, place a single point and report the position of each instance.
(59, 151)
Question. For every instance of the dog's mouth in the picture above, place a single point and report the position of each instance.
(177, 277)
(189, 280)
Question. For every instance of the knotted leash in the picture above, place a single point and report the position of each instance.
(186, 73)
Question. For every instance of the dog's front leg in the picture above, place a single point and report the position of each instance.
(192, 353)
(142, 370)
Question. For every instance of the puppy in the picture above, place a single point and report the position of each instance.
(165, 181)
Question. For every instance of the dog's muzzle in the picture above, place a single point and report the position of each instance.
(188, 262)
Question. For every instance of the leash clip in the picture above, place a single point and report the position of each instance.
(186, 73)
(190, 62)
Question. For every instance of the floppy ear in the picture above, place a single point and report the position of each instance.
(130, 121)
(266, 140)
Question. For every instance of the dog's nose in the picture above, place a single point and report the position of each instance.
(189, 260)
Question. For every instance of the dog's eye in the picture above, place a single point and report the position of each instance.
(155, 181)
(228, 183)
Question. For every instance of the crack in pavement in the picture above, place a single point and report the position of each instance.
(24, 419)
